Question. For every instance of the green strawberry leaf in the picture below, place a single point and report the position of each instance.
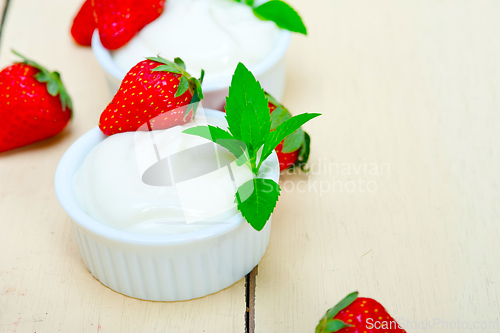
(167, 68)
(43, 76)
(279, 115)
(162, 61)
(335, 326)
(294, 141)
(328, 324)
(186, 81)
(282, 14)
(342, 305)
(244, 90)
(282, 131)
(183, 86)
(54, 83)
(196, 84)
(249, 2)
(304, 153)
(52, 88)
(202, 76)
(256, 201)
(179, 62)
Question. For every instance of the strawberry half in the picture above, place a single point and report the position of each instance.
(84, 24)
(153, 87)
(119, 20)
(34, 104)
(294, 150)
(358, 315)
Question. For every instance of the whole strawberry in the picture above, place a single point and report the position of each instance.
(119, 20)
(153, 87)
(34, 104)
(84, 24)
(358, 315)
(294, 150)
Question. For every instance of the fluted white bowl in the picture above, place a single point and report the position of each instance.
(160, 267)
(270, 72)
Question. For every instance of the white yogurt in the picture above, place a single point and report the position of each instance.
(110, 185)
(213, 35)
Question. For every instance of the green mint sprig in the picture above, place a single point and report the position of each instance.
(251, 139)
(280, 13)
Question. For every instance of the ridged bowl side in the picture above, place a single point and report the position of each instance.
(173, 273)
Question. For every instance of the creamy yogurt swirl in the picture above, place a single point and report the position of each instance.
(213, 35)
(112, 185)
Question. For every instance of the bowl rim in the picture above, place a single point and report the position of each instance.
(72, 160)
(107, 62)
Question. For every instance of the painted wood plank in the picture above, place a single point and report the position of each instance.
(44, 285)
(412, 87)
(3, 4)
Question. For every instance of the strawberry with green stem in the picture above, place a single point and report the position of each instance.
(118, 21)
(358, 315)
(295, 149)
(84, 24)
(34, 104)
(153, 87)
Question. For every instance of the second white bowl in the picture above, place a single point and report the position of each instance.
(270, 72)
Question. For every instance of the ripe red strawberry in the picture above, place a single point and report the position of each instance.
(358, 315)
(119, 20)
(84, 24)
(294, 150)
(151, 88)
(34, 104)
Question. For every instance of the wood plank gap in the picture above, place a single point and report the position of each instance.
(4, 15)
(250, 281)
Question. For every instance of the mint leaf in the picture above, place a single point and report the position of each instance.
(255, 126)
(284, 130)
(244, 90)
(250, 132)
(256, 201)
(282, 14)
(294, 141)
(222, 138)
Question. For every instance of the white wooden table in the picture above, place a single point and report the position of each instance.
(409, 89)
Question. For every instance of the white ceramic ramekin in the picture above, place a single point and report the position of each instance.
(160, 267)
(270, 72)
